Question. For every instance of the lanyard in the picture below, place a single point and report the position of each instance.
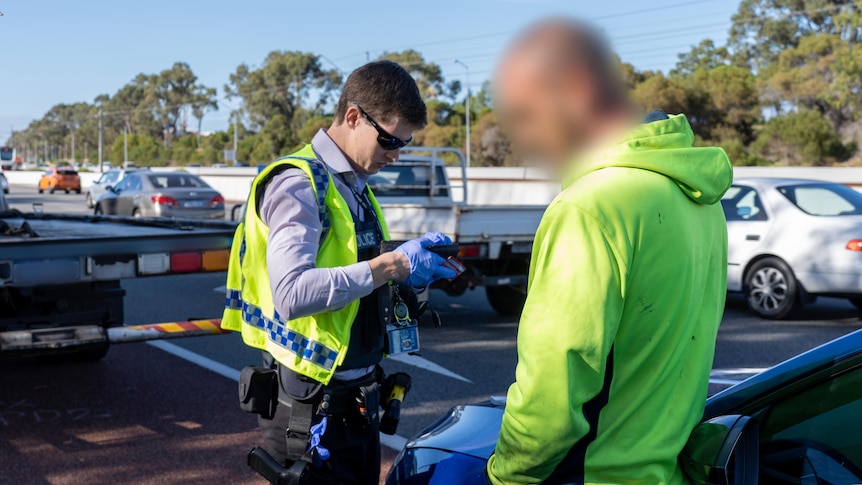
(364, 203)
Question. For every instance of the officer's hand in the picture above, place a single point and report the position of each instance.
(425, 267)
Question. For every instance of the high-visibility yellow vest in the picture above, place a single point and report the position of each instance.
(316, 345)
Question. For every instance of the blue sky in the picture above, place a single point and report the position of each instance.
(55, 51)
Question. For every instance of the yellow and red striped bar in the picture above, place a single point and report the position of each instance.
(162, 331)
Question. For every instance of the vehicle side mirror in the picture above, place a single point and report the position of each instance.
(110, 188)
(723, 451)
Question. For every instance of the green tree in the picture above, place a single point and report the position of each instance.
(143, 150)
(281, 86)
(428, 75)
(801, 138)
(702, 57)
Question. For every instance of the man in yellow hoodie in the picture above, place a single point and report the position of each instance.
(628, 275)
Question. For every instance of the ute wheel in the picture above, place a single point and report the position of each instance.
(509, 300)
(89, 200)
(771, 289)
(98, 210)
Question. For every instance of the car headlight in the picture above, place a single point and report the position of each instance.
(427, 466)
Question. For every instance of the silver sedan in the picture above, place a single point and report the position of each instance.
(791, 241)
(161, 194)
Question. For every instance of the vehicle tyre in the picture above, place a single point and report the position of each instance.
(52, 190)
(89, 200)
(91, 354)
(67, 191)
(40, 190)
(771, 290)
(98, 210)
(509, 300)
(136, 213)
(77, 191)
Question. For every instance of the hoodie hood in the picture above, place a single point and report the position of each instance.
(665, 146)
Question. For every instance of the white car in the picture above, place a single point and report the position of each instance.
(4, 183)
(110, 178)
(791, 241)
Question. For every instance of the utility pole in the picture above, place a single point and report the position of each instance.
(73, 149)
(467, 103)
(46, 148)
(125, 145)
(101, 165)
(235, 136)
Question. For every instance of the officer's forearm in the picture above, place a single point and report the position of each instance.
(393, 266)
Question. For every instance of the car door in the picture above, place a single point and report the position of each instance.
(116, 203)
(747, 226)
(130, 198)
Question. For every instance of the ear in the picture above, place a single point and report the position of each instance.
(351, 117)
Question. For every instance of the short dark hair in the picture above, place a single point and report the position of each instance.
(386, 91)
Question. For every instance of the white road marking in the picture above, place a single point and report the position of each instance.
(395, 442)
(426, 364)
(197, 359)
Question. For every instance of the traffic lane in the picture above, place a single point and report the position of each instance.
(22, 198)
(474, 342)
(139, 416)
(746, 341)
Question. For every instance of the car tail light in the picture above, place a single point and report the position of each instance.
(468, 251)
(855, 245)
(217, 200)
(164, 200)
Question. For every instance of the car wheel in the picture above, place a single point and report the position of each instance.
(89, 200)
(98, 210)
(137, 213)
(40, 190)
(77, 191)
(771, 289)
(67, 191)
(52, 189)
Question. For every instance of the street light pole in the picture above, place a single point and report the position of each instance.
(125, 145)
(101, 165)
(467, 103)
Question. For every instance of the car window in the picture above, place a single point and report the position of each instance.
(406, 181)
(67, 171)
(176, 180)
(49, 171)
(742, 203)
(123, 185)
(135, 183)
(815, 435)
(824, 199)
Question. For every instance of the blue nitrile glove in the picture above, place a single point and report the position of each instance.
(425, 266)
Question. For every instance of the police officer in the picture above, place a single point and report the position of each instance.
(307, 283)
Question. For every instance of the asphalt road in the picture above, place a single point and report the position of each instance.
(145, 416)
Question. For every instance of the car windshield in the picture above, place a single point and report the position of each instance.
(176, 180)
(824, 199)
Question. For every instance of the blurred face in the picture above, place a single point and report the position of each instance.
(544, 111)
(365, 151)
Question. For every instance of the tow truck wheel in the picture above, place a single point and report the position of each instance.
(91, 354)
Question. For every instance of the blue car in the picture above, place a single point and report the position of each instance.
(799, 422)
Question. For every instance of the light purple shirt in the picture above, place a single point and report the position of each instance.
(289, 209)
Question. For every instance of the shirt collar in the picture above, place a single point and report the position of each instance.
(329, 152)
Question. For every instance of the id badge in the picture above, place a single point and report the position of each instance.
(403, 338)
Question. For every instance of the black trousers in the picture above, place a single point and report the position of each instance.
(352, 440)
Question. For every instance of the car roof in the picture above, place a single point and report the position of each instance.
(777, 181)
(790, 371)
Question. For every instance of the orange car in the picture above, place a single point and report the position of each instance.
(63, 178)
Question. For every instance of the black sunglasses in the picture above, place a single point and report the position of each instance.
(387, 140)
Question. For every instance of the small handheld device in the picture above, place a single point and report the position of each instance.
(455, 266)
